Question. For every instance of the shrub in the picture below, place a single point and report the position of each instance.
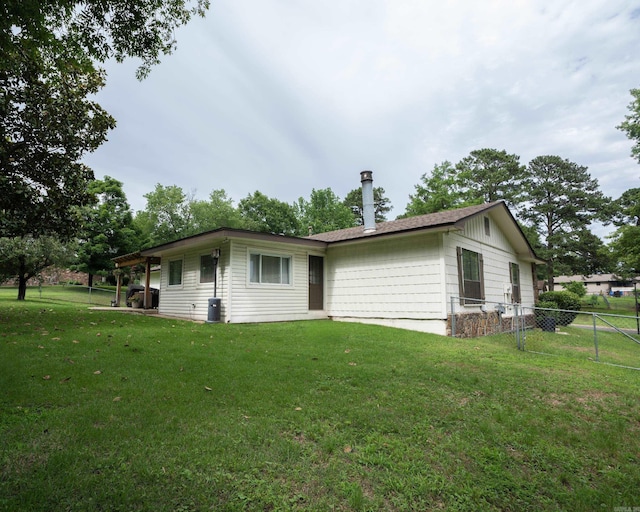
(542, 313)
(565, 300)
(576, 287)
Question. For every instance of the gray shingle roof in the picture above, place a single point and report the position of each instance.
(429, 221)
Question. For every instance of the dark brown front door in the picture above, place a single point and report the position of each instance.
(316, 280)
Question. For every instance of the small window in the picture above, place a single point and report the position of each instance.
(487, 226)
(175, 272)
(268, 269)
(207, 268)
(514, 270)
(470, 276)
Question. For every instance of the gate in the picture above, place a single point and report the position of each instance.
(601, 337)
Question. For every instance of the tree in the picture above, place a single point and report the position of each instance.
(323, 212)
(261, 213)
(562, 200)
(215, 213)
(625, 241)
(353, 201)
(48, 75)
(576, 287)
(25, 257)
(166, 217)
(107, 228)
(627, 208)
(439, 191)
(631, 123)
(99, 30)
(625, 245)
(488, 175)
(48, 122)
(582, 253)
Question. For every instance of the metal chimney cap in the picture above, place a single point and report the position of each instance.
(366, 176)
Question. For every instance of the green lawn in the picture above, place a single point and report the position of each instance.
(97, 296)
(103, 410)
(613, 305)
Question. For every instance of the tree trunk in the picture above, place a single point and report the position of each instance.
(23, 277)
(22, 286)
(90, 281)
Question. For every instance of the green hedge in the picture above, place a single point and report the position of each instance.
(564, 300)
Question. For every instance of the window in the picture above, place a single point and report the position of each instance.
(487, 226)
(267, 269)
(175, 272)
(514, 270)
(470, 276)
(207, 268)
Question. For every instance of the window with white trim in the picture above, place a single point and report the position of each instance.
(269, 269)
(470, 276)
(207, 268)
(175, 272)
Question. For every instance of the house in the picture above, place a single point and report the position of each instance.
(400, 273)
(600, 284)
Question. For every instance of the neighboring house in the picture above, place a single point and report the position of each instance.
(599, 284)
(400, 273)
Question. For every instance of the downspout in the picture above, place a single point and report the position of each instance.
(216, 258)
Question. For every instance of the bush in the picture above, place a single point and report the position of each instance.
(542, 313)
(576, 287)
(565, 300)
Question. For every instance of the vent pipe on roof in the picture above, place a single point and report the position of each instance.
(368, 209)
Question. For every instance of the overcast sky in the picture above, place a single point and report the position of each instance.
(284, 96)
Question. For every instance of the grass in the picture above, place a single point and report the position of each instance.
(616, 305)
(97, 296)
(109, 411)
(577, 342)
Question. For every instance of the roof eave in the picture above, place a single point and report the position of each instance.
(230, 234)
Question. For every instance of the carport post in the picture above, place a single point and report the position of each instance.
(118, 274)
(147, 283)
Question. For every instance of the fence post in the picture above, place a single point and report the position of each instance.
(517, 322)
(595, 334)
(453, 317)
(522, 328)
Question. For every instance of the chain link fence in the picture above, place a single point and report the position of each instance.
(76, 293)
(607, 338)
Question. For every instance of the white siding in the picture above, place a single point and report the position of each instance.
(191, 299)
(497, 254)
(393, 279)
(253, 302)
